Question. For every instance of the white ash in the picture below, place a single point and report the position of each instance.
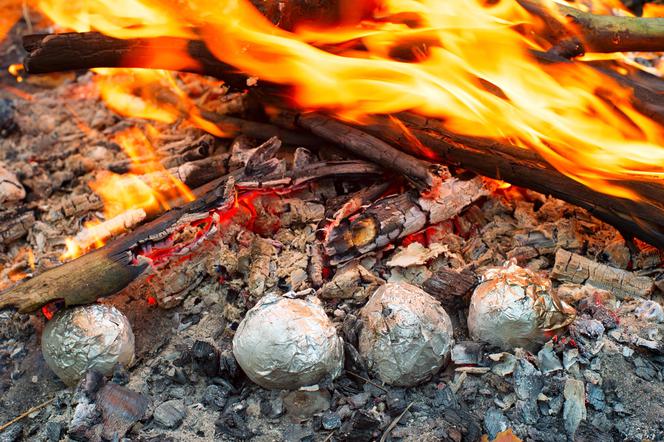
(94, 336)
(406, 334)
(287, 343)
(514, 307)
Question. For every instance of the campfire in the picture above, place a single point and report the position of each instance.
(317, 220)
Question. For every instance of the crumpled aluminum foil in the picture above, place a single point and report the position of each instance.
(288, 343)
(406, 334)
(94, 336)
(514, 307)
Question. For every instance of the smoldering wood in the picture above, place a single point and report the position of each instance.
(15, 224)
(599, 33)
(449, 283)
(643, 218)
(108, 270)
(570, 267)
(171, 155)
(369, 147)
(398, 216)
(262, 131)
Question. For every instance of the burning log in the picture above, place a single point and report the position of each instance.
(598, 33)
(110, 269)
(643, 218)
(72, 51)
(398, 216)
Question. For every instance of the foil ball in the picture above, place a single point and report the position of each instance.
(514, 307)
(406, 334)
(287, 343)
(93, 336)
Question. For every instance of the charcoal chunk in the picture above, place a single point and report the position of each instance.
(170, 414)
(216, 397)
(206, 358)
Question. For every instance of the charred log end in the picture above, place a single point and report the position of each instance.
(83, 279)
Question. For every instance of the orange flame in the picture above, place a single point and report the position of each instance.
(578, 120)
(131, 195)
(149, 94)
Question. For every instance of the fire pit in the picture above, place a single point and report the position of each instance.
(310, 220)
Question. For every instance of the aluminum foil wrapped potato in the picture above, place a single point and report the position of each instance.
(288, 343)
(406, 334)
(514, 307)
(94, 336)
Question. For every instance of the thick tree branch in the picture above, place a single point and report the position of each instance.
(598, 33)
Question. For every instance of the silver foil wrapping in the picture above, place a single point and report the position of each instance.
(514, 307)
(406, 334)
(288, 343)
(93, 336)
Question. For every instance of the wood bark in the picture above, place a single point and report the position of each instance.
(108, 270)
(599, 33)
(570, 267)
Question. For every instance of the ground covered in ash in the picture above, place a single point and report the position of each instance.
(600, 380)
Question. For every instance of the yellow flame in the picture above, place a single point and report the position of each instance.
(124, 193)
(436, 61)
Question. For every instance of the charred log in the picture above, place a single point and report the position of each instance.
(641, 218)
(398, 216)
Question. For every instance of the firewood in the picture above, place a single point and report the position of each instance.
(397, 216)
(522, 167)
(570, 267)
(599, 33)
(447, 284)
(110, 269)
(369, 147)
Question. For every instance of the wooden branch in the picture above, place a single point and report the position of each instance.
(106, 271)
(570, 267)
(522, 167)
(599, 33)
(369, 147)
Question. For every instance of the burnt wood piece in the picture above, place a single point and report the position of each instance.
(262, 131)
(369, 147)
(85, 50)
(570, 267)
(522, 167)
(598, 33)
(108, 270)
(398, 216)
(451, 287)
